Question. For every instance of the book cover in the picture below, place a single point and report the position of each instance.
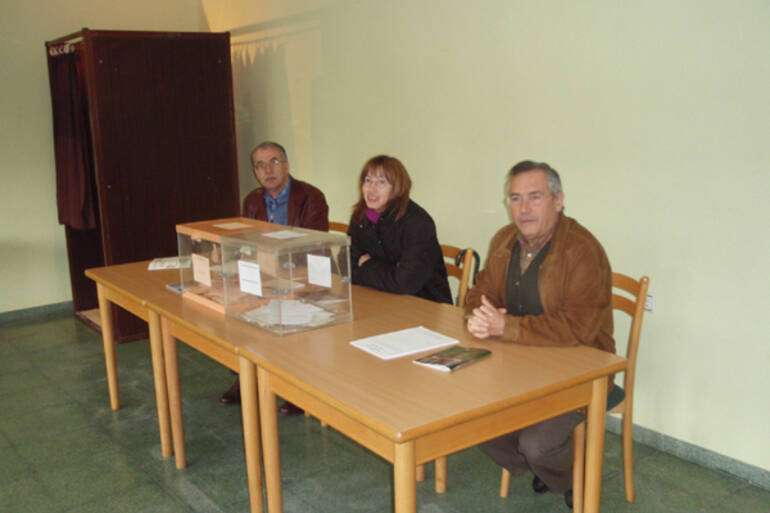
(453, 358)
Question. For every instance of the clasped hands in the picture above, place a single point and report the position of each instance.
(486, 320)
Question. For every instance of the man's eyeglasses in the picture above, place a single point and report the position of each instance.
(273, 163)
(533, 198)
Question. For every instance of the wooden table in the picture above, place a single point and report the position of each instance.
(130, 287)
(144, 294)
(411, 415)
(405, 413)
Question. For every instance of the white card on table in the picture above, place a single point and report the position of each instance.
(403, 342)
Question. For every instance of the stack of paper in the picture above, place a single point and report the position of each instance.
(403, 342)
(288, 312)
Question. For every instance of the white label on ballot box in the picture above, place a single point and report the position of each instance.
(284, 235)
(319, 270)
(249, 277)
(231, 226)
(201, 270)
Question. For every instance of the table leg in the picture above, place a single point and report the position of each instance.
(108, 340)
(174, 394)
(268, 410)
(595, 446)
(159, 376)
(440, 474)
(251, 444)
(404, 478)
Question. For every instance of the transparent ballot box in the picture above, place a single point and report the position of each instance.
(280, 278)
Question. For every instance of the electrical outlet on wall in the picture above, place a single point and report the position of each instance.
(648, 303)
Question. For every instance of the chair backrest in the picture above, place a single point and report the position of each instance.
(634, 307)
(338, 227)
(460, 266)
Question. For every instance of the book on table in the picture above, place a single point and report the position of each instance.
(453, 358)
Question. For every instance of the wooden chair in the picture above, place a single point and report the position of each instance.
(338, 227)
(463, 264)
(620, 400)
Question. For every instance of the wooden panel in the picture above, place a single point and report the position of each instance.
(137, 308)
(336, 419)
(84, 250)
(164, 129)
(206, 346)
(163, 138)
(470, 433)
(208, 230)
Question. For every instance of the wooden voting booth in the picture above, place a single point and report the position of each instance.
(144, 139)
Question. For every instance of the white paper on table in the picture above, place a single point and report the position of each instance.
(284, 234)
(231, 226)
(201, 269)
(403, 342)
(288, 312)
(319, 270)
(249, 277)
(159, 264)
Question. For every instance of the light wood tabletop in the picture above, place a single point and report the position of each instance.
(410, 415)
(405, 413)
(142, 292)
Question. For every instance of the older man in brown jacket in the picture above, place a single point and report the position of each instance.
(546, 281)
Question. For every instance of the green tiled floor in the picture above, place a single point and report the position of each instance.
(62, 450)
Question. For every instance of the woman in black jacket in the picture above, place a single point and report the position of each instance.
(393, 240)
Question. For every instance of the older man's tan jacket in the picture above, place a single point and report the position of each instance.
(575, 285)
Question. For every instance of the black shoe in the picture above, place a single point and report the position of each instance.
(568, 498)
(233, 394)
(539, 486)
(288, 409)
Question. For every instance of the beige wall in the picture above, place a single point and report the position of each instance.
(33, 257)
(656, 113)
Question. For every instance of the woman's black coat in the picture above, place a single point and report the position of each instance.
(405, 255)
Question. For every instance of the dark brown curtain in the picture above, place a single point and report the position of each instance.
(75, 186)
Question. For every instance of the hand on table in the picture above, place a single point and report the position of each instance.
(487, 320)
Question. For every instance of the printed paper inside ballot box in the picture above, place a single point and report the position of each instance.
(249, 277)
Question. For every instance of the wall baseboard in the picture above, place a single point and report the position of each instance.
(37, 313)
(694, 454)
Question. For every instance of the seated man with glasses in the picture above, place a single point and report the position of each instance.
(546, 282)
(281, 199)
